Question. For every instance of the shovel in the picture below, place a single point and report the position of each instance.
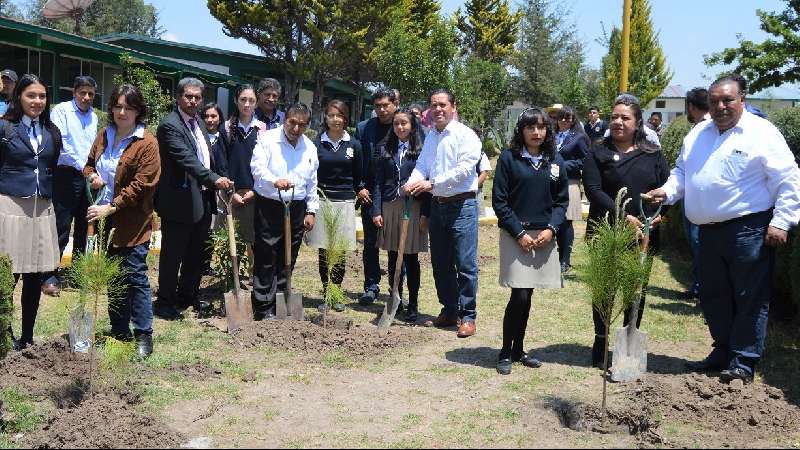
(288, 305)
(238, 309)
(390, 310)
(630, 345)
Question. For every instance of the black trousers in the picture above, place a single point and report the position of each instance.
(515, 322)
(337, 274)
(70, 203)
(182, 252)
(411, 271)
(31, 294)
(269, 269)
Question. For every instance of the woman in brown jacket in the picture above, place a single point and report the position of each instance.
(124, 164)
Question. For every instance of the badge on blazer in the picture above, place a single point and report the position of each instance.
(349, 153)
(554, 171)
(616, 157)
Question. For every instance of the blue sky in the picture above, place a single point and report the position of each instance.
(689, 29)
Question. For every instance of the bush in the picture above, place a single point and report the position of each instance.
(158, 102)
(672, 139)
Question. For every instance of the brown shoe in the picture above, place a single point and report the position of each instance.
(466, 329)
(51, 289)
(442, 322)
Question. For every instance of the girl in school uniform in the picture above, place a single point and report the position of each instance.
(530, 197)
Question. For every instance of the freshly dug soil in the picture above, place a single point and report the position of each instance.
(736, 414)
(105, 420)
(357, 340)
(44, 368)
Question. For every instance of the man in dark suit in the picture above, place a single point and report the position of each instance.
(185, 202)
(371, 133)
(595, 127)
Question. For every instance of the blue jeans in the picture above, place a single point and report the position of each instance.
(454, 256)
(134, 303)
(693, 236)
(372, 265)
(735, 271)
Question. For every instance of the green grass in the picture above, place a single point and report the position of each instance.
(21, 414)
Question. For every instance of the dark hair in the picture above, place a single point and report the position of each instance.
(84, 81)
(697, 97)
(15, 113)
(533, 116)
(417, 105)
(640, 136)
(269, 83)
(415, 139)
(134, 99)
(656, 113)
(299, 108)
(740, 81)
(234, 116)
(343, 109)
(594, 108)
(576, 127)
(215, 107)
(384, 92)
(450, 97)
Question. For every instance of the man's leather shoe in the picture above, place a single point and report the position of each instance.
(368, 298)
(466, 329)
(411, 316)
(706, 365)
(144, 345)
(529, 361)
(203, 309)
(51, 289)
(737, 373)
(504, 366)
(442, 321)
(166, 311)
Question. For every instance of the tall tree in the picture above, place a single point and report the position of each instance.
(649, 74)
(9, 9)
(104, 17)
(774, 61)
(421, 15)
(482, 89)
(489, 29)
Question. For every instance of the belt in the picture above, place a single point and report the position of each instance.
(455, 198)
(738, 219)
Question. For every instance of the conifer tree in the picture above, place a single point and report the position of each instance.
(421, 15)
(489, 29)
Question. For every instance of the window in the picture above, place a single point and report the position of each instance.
(661, 104)
(68, 70)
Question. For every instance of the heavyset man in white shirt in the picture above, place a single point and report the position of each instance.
(741, 185)
(284, 166)
(446, 168)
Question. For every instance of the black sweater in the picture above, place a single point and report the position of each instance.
(339, 174)
(606, 171)
(240, 147)
(525, 198)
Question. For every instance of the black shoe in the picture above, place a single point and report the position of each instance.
(529, 361)
(504, 366)
(706, 365)
(203, 309)
(20, 345)
(368, 298)
(166, 311)
(144, 345)
(411, 316)
(737, 373)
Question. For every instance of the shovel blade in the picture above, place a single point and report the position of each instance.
(630, 355)
(238, 310)
(291, 309)
(389, 311)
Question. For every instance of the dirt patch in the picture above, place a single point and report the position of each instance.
(195, 371)
(307, 337)
(103, 420)
(44, 368)
(735, 414)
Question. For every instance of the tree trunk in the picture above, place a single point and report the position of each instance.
(316, 104)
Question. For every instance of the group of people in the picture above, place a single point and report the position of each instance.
(737, 177)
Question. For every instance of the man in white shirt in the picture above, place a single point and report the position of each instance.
(284, 168)
(447, 169)
(741, 185)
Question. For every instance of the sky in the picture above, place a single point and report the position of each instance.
(689, 29)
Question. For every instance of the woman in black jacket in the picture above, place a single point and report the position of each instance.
(214, 118)
(624, 159)
(530, 197)
(29, 149)
(397, 160)
(572, 144)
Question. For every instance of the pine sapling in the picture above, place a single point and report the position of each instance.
(336, 252)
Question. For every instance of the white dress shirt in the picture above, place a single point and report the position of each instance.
(745, 170)
(202, 146)
(34, 132)
(484, 165)
(274, 158)
(336, 145)
(448, 160)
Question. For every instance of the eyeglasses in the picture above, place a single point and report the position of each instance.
(296, 123)
(196, 98)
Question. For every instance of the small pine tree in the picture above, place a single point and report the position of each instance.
(336, 252)
(6, 304)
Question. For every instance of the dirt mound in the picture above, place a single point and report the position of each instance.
(357, 340)
(103, 420)
(43, 368)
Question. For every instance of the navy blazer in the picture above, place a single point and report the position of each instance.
(388, 179)
(573, 151)
(21, 167)
(367, 135)
(180, 197)
(220, 152)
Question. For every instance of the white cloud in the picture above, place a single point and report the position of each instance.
(170, 37)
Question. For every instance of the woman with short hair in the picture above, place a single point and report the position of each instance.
(125, 165)
(29, 149)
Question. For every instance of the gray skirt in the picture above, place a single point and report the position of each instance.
(575, 208)
(389, 235)
(528, 270)
(346, 226)
(28, 234)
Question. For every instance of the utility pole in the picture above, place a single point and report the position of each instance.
(626, 46)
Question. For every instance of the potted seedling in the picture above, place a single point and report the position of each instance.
(6, 304)
(614, 274)
(337, 249)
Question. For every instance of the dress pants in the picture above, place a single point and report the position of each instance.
(269, 270)
(182, 251)
(70, 203)
(370, 257)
